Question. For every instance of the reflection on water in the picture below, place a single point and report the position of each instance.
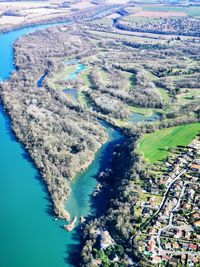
(137, 117)
(41, 79)
(73, 92)
(79, 68)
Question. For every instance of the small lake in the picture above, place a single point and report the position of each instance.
(73, 92)
(41, 79)
(137, 117)
(79, 69)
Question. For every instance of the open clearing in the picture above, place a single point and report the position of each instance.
(156, 146)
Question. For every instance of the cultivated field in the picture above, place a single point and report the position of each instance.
(193, 11)
(156, 146)
(160, 14)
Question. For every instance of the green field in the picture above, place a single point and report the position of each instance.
(193, 11)
(164, 94)
(156, 146)
(133, 18)
(144, 111)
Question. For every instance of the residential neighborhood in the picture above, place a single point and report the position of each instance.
(171, 230)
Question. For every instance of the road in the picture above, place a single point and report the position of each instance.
(170, 224)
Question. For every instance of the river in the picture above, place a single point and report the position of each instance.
(29, 237)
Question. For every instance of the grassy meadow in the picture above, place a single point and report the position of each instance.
(156, 146)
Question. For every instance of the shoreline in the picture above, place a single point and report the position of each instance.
(81, 16)
(59, 208)
(82, 169)
(61, 213)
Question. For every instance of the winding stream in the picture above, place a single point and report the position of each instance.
(29, 237)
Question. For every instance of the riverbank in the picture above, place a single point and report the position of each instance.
(75, 17)
(27, 195)
(47, 236)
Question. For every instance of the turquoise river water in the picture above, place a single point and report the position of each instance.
(29, 237)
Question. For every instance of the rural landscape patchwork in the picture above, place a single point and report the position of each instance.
(100, 133)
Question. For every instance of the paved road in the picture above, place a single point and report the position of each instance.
(170, 225)
(167, 191)
(163, 201)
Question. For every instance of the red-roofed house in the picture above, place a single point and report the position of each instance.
(166, 258)
(193, 246)
(151, 246)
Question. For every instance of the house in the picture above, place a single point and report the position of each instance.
(196, 215)
(196, 260)
(152, 231)
(193, 247)
(198, 236)
(156, 259)
(178, 234)
(168, 246)
(183, 258)
(163, 219)
(154, 190)
(195, 166)
(151, 246)
(191, 193)
(166, 212)
(197, 223)
(175, 245)
(198, 161)
(158, 224)
(192, 260)
(184, 246)
(187, 206)
(166, 258)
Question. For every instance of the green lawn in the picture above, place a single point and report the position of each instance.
(187, 95)
(103, 76)
(164, 94)
(133, 18)
(156, 146)
(85, 76)
(84, 99)
(145, 111)
(61, 76)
